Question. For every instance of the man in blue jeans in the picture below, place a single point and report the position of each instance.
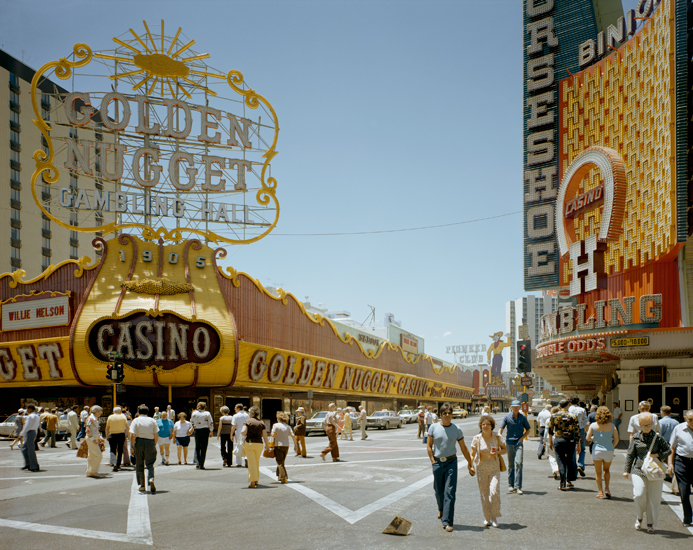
(518, 428)
(442, 439)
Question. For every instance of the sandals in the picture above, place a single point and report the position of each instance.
(607, 494)
(600, 495)
(569, 484)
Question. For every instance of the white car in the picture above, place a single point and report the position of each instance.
(316, 423)
(384, 420)
(408, 416)
(7, 426)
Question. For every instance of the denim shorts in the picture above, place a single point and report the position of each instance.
(183, 441)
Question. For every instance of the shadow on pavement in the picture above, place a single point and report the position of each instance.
(672, 534)
(512, 526)
(534, 492)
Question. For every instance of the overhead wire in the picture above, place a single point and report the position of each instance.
(394, 230)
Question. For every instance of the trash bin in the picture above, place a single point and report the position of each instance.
(533, 427)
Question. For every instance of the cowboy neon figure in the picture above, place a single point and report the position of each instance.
(497, 349)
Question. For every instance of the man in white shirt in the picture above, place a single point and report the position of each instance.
(429, 417)
(82, 422)
(144, 434)
(581, 414)
(203, 423)
(171, 414)
(238, 421)
(73, 425)
(633, 423)
(543, 417)
(29, 431)
(681, 463)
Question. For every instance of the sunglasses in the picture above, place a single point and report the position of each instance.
(447, 412)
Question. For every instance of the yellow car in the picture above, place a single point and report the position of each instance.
(459, 413)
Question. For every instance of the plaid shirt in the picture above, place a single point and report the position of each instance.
(565, 425)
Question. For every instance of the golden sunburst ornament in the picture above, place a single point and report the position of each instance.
(160, 65)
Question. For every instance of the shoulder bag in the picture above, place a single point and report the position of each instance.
(83, 451)
(650, 468)
(268, 451)
(501, 462)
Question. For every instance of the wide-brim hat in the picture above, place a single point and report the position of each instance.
(300, 410)
(499, 333)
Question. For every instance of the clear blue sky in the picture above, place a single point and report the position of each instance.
(393, 114)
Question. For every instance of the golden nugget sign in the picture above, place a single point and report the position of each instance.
(168, 148)
(277, 368)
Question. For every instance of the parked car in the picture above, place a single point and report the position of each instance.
(537, 406)
(459, 413)
(7, 426)
(316, 423)
(384, 420)
(408, 416)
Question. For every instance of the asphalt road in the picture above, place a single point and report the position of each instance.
(325, 505)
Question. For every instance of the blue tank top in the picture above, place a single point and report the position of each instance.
(603, 441)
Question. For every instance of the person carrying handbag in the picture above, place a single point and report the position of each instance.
(487, 451)
(645, 452)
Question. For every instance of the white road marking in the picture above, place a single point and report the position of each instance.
(356, 515)
(139, 525)
(71, 531)
(36, 477)
(139, 529)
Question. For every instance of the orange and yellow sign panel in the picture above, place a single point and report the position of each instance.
(627, 102)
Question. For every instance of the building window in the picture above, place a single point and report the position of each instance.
(74, 253)
(15, 253)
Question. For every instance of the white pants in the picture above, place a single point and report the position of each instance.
(647, 495)
(238, 451)
(94, 458)
(554, 464)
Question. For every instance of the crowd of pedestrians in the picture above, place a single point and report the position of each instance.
(657, 448)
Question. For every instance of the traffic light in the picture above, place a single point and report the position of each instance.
(119, 372)
(110, 373)
(524, 356)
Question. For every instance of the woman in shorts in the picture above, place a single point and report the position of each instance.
(183, 430)
(165, 426)
(604, 437)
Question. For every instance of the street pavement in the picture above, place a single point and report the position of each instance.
(328, 505)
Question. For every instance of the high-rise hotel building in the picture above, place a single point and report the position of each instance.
(30, 241)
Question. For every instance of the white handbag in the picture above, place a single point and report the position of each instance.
(650, 468)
